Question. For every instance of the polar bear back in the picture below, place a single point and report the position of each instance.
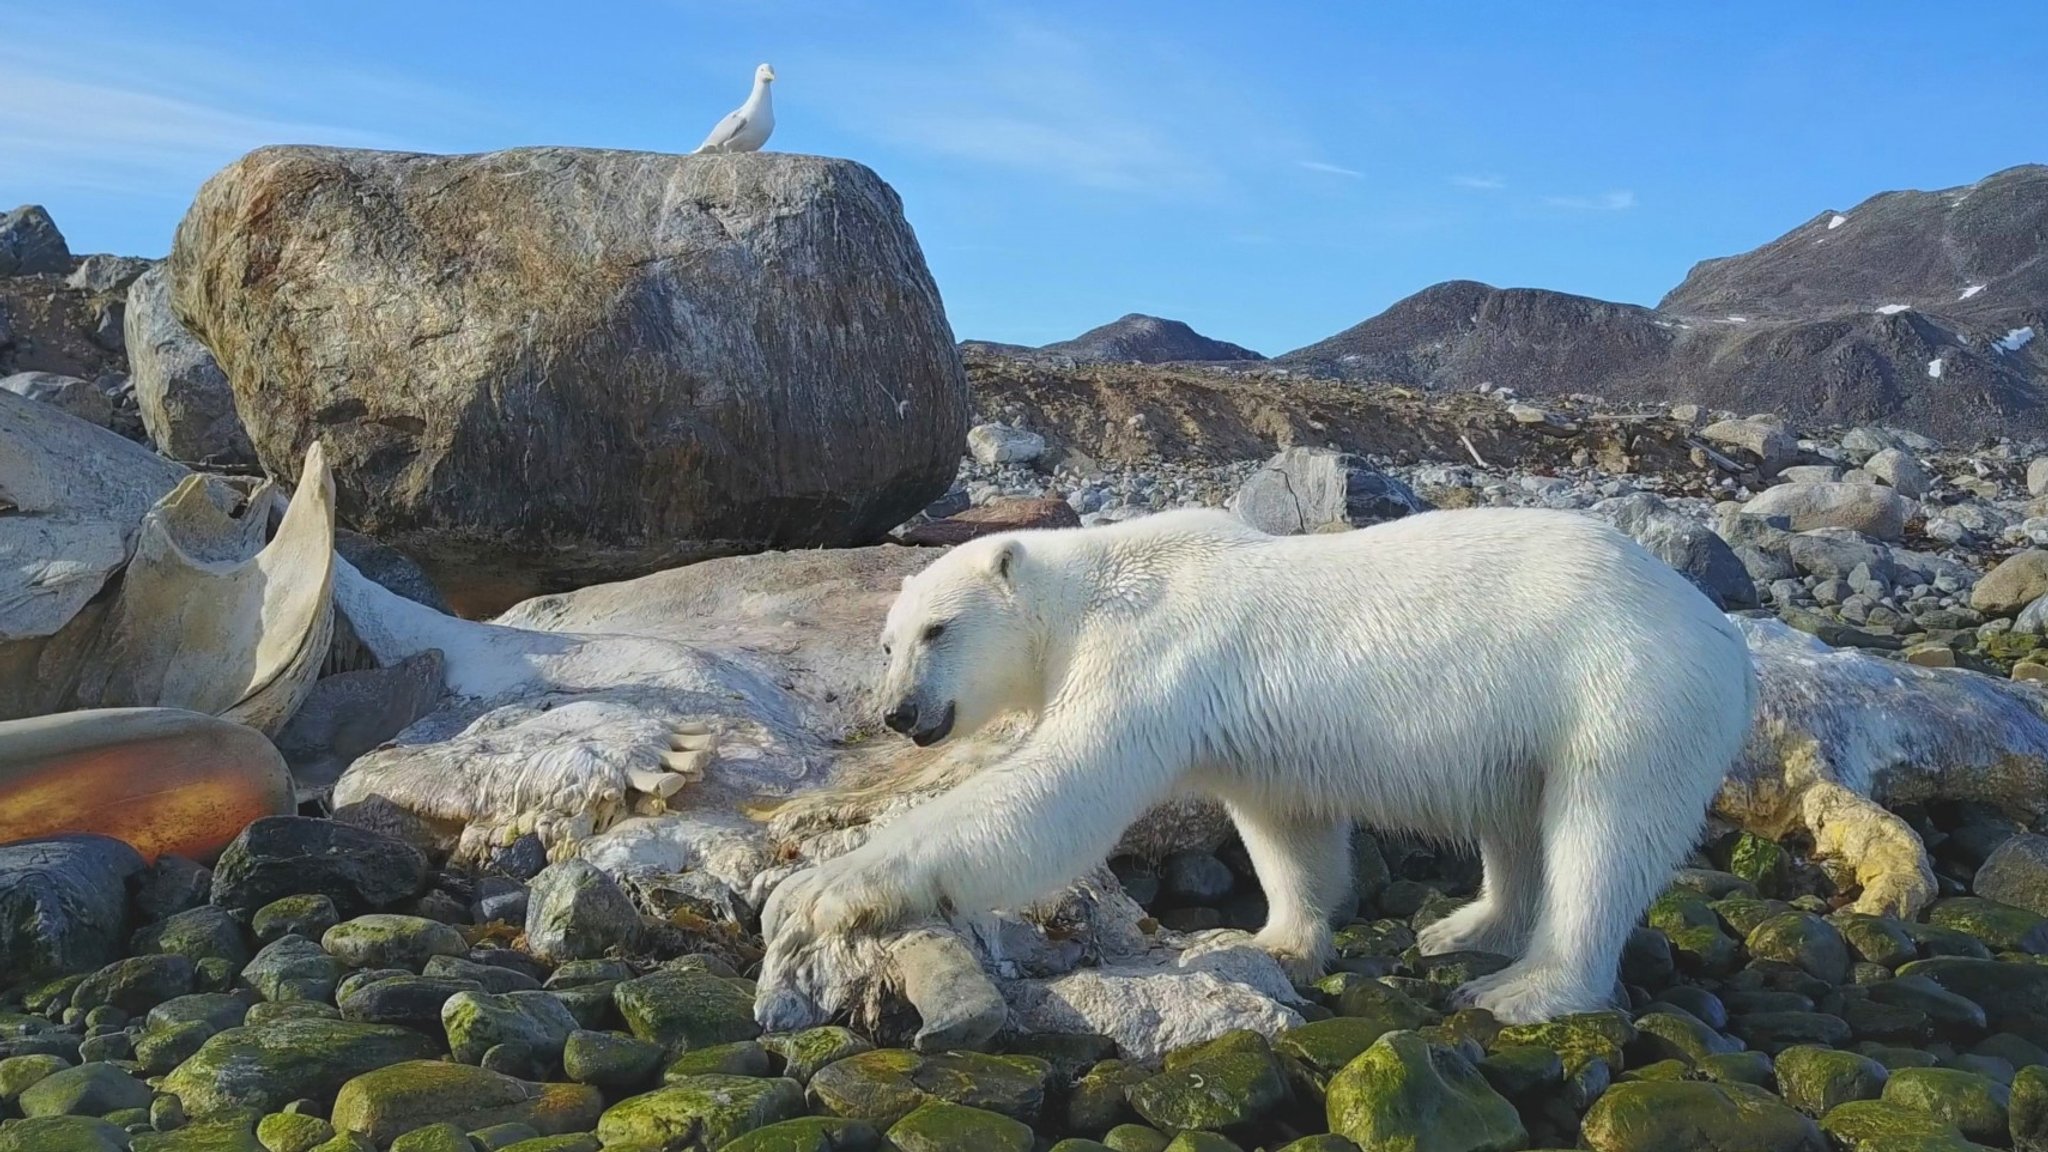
(1423, 670)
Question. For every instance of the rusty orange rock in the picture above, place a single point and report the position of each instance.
(167, 781)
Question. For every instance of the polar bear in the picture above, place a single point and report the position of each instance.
(1530, 681)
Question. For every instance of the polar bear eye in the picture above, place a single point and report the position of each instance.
(933, 632)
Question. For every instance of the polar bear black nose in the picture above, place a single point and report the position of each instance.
(902, 718)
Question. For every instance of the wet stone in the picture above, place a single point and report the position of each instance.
(1815, 1080)
(711, 1110)
(885, 1085)
(1976, 1105)
(388, 940)
(937, 1126)
(803, 1053)
(1404, 1090)
(304, 915)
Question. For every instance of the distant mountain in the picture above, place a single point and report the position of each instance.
(1133, 339)
(1917, 309)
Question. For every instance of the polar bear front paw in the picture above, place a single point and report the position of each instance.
(1517, 995)
(1480, 926)
(1302, 957)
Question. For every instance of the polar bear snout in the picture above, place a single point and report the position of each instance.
(924, 726)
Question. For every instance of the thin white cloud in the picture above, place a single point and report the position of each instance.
(1480, 183)
(1333, 169)
(1616, 201)
(156, 117)
(1006, 92)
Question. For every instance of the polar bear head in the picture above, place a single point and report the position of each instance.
(961, 642)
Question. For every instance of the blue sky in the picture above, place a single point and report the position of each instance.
(1269, 173)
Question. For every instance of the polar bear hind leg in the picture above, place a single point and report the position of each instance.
(1304, 865)
(1501, 920)
(1607, 850)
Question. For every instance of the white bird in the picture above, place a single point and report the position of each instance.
(746, 128)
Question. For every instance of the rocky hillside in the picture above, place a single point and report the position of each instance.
(1132, 339)
(1917, 309)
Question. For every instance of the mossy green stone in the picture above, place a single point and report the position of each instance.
(476, 1022)
(87, 1090)
(803, 1053)
(1403, 1095)
(2002, 927)
(386, 1102)
(617, 1064)
(1322, 1048)
(1325, 1142)
(1773, 1032)
(1523, 1071)
(1935, 941)
(885, 1085)
(197, 934)
(1761, 862)
(1698, 942)
(1815, 1080)
(1676, 1036)
(566, 1142)
(1077, 1144)
(681, 1010)
(62, 1134)
(1099, 1100)
(498, 1137)
(936, 1126)
(1804, 940)
(1879, 1126)
(1660, 1070)
(1879, 940)
(292, 1132)
(1975, 1104)
(810, 1134)
(1743, 913)
(1228, 1089)
(2014, 996)
(276, 1011)
(1752, 1068)
(1578, 1038)
(1136, 1138)
(1376, 938)
(710, 1110)
(236, 1136)
(434, 1138)
(1386, 1007)
(267, 1066)
(2028, 1109)
(739, 1058)
(1201, 1142)
(1653, 1116)
(18, 1073)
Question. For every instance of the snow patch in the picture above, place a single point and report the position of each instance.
(2017, 339)
(1836, 221)
(1972, 290)
(1738, 319)
(1934, 368)
(1893, 309)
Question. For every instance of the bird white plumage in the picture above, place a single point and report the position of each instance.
(746, 128)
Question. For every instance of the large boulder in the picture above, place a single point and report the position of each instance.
(1318, 490)
(31, 244)
(1689, 546)
(613, 362)
(187, 407)
(1877, 512)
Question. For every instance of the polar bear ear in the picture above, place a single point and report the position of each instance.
(1002, 563)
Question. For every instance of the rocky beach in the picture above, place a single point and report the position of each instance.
(425, 640)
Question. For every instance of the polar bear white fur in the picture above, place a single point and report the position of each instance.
(1533, 682)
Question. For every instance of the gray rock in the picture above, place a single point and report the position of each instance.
(389, 568)
(2037, 477)
(350, 713)
(1833, 553)
(1906, 475)
(670, 358)
(1002, 444)
(30, 243)
(1313, 489)
(1769, 446)
(1860, 444)
(81, 398)
(187, 406)
(101, 272)
(2016, 873)
(278, 856)
(293, 968)
(1875, 512)
(575, 912)
(478, 1021)
(1687, 545)
(63, 903)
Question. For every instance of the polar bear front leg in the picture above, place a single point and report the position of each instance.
(1304, 864)
(1010, 834)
